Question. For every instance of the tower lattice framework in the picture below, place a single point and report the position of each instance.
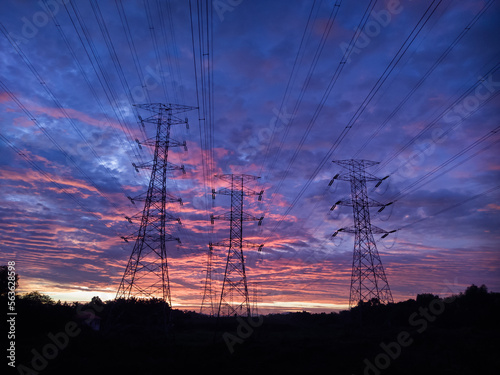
(234, 299)
(208, 301)
(368, 279)
(146, 273)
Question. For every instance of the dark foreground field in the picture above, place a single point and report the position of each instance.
(429, 335)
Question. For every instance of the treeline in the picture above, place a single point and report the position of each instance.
(140, 336)
(474, 306)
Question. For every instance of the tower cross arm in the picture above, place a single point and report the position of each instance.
(348, 177)
(222, 191)
(151, 164)
(170, 198)
(227, 216)
(240, 177)
(371, 177)
(378, 230)
(170, 142)
(342, 202)
(360, 163)
(160, 107)
(384, 232)
(246, 244)
(138, 217)
(340, 176)
(349, 202)
(245, 191)
(374, 203)
(374, 229)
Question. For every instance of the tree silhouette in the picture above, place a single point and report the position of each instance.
(4, 281)
(38, 297)
(473, 291)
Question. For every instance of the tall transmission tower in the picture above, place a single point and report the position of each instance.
(368, 279)
(146, 273)
(207, 303)
(234, 298)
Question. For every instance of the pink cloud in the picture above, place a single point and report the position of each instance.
(34, 177)
(23, 122)
(4, 97)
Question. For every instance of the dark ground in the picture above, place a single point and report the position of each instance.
(453, 336)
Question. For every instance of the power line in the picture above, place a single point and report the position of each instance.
(32, 68)
(305, 85)
(202, 46)
(149, 16)
(486, 192)
(293, 75)
(53, 140)
(47, 176)
(411, 187)
(439, 60)
(402, 50)
(447, 110)
(89, 84)
(103, 77)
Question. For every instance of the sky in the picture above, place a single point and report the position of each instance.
(281, 89)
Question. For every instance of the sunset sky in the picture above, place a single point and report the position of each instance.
(295, 85)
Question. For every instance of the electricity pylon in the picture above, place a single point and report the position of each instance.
(146, 273)
(207, 303)
(368, 279)
(234, 298)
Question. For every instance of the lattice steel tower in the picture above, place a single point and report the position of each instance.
(368, 279)
(146, 274)
(234, 298)
(207, 303)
